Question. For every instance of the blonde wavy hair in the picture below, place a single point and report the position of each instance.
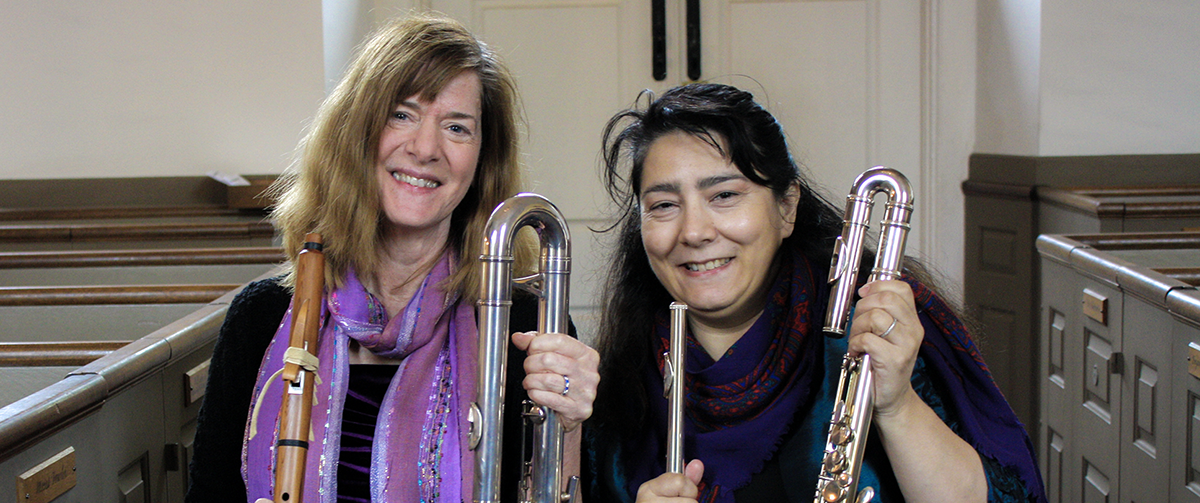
(331, 188)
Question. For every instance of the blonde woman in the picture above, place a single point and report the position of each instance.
(405, 161)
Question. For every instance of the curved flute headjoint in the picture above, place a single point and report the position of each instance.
(495, 298)
(847, 250)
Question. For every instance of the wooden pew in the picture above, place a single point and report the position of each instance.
(130, 267)
(133, 197)
(106, 312)
(126, 419)
(99, 236)
(26, 367)
(55, 354)
(49, 329)
(1004, 214)
(1117, 365)
(128, 213)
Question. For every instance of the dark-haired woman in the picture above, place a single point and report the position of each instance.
(717, 215)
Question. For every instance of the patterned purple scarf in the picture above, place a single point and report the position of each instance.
(739, 407)
(420, 447)
(986, 420)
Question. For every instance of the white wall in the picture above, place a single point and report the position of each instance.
(1120, 77)
(1060, 78)
(121, 88)
(949, 105)
(118, 88)
(1008, 61)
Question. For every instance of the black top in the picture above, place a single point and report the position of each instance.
(364, 395)
(254, 316)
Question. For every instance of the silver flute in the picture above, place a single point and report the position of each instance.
(674, 387)
(544, 471)
(854, 403)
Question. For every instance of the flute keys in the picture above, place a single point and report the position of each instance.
(833, 492)
(668, 375)
(834, 461)
(841, 434)
(475, 420)
(837, 488)
(850, 364)
(533, 413)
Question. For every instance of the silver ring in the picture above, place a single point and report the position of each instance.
(889, 329)
(566, 385)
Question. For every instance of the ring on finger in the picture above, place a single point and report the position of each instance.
(889, 329)
(566, 385)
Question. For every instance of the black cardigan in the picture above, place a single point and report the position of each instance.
(254, 316)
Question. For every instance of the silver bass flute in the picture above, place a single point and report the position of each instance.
(495, 299)
(854, 403)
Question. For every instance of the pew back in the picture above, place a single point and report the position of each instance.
(126, 420)
(1118, 406)
(33, 314)
(137, 267)
(153, 235)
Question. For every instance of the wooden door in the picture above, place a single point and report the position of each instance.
(842, 76)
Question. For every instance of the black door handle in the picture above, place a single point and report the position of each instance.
(693, 39)
(658, 38)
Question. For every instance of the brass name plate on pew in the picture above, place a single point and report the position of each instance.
(49, 480)
(195, 381)
(1194, 359)
(1095, 306)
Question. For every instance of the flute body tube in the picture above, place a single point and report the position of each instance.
(295, 412)
(495, 300)
(674, 387)
(854, 403)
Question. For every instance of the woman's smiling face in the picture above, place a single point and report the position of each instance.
(427, 156)
(710, 233)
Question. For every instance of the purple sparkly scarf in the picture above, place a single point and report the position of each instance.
(420, 447)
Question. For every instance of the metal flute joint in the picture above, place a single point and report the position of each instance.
(495, 299)
(854, 401)
(674, 387)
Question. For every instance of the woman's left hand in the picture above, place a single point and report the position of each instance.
(560, 373)
(894, 354)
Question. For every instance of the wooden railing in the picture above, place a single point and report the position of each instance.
(125, 294)
(124, 212)
(127, 417)
(137, 231)
(55, 354)
(125, 258)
